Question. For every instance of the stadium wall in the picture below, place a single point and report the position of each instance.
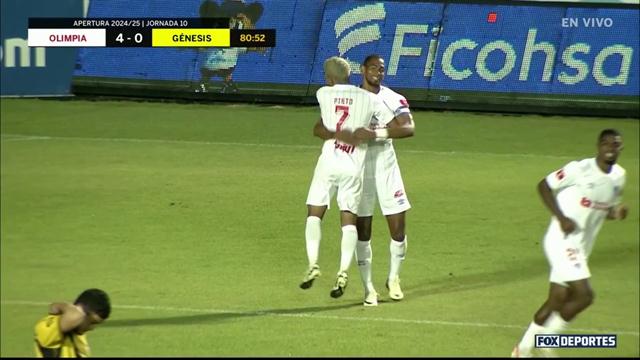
(36, 71)
(565, 58)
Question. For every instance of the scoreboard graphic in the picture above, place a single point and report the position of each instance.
(144, 32)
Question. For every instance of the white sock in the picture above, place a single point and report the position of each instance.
(555, 324)
(526, 344)
(312, 236)
(348, 246)
(364, 255)
(397, 249)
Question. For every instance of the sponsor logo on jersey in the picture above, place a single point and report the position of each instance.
(344, 147)
(598, 205)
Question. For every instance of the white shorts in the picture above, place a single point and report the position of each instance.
(327, 181)
(382, 182)
(566, 255)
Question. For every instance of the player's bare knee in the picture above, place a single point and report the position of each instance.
(348, 218)
(398, 236)
(317, 211)
(397, 232)
(558, 295)
(540, 318)
(583, 296)
(396, 226)
(588, 297)
(555, 303)
(363, 224)
(364, 235)
(364, 232)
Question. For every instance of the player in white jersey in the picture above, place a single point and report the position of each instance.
(346, 110)
(382, 180)
(586, 193)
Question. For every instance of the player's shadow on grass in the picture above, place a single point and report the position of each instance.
(515, 271)
(222, 315)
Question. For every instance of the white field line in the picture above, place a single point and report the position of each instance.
(326, 317)
(23, 137)
(14, 137)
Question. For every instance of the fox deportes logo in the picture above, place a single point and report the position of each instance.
(576, 341)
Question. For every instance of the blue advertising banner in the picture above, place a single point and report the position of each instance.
(400, 32)
(539, 50)
(637, 2)
(290, 62)
(493, 48)
(34, 71)
(518, 48)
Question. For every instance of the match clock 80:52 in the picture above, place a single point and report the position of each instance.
(128, 37)
(253, 38)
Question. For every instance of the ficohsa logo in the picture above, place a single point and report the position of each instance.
(578, 60)
(571, 57)
(351, 35)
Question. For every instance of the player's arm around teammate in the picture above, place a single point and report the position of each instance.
(382, 179)
(347, 136)
(401, 126)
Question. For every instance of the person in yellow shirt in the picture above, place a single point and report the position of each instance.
(62, 332)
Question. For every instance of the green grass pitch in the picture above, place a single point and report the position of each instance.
(192, 218)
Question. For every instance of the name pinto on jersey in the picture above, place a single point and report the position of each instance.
(343, 101)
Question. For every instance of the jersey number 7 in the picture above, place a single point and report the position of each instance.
(345, 115)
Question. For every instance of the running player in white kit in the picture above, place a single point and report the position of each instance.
(347, 110)
(382, 180)
(586, 193)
